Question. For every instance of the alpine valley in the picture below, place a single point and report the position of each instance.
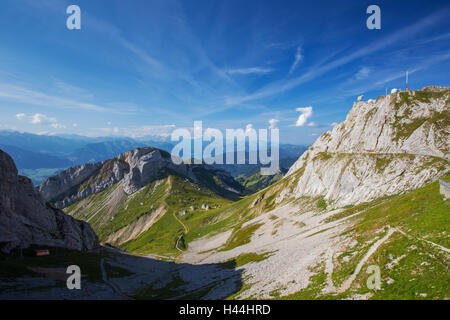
(373, 191)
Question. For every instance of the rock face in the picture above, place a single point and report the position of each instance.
(26, 219)
(136, 169)
(396, 143)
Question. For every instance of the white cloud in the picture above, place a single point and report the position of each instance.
(248, 128)
(39, 118)
(57, 126)
(256, 70)
(20, 116)
(273, 123)
(363, 73)
(305, 114)
(312, 124)
(75, 125)
(7, 127)
(298, 58)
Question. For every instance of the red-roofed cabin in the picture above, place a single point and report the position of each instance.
(40, 253)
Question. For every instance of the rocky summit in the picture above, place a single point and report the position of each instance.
(386, 146)
(27, 219)
(135, 169)
(125, 198)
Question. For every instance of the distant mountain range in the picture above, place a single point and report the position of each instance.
(26, 159)
(40, 156)
(74, 148)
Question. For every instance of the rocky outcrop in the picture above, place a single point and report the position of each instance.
(135, 169)
(26, 218)
(396, 143)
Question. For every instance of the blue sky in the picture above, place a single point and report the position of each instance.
(146, 67)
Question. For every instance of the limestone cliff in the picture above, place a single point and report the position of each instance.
(387, 146)
(26, 219)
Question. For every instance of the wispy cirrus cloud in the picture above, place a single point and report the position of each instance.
(37, 98)
(387, 76)
(28, 96)
(401, 35)
(297, 59)
(254, 70)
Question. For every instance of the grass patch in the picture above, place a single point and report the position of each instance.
(321, 204)
(240, 236)
(323, 156)
(245, 258)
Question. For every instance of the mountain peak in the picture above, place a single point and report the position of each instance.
(400, 138)
(135, 169)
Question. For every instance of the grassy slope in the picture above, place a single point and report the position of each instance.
(422, 270)
(174, 194)
(257, 182)
(162, 236)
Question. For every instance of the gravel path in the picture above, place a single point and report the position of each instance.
(186, 230)
(346, 285)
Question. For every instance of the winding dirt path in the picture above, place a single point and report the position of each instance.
(186, 230)
(329, 270)
(346, 285)
(427, 241)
